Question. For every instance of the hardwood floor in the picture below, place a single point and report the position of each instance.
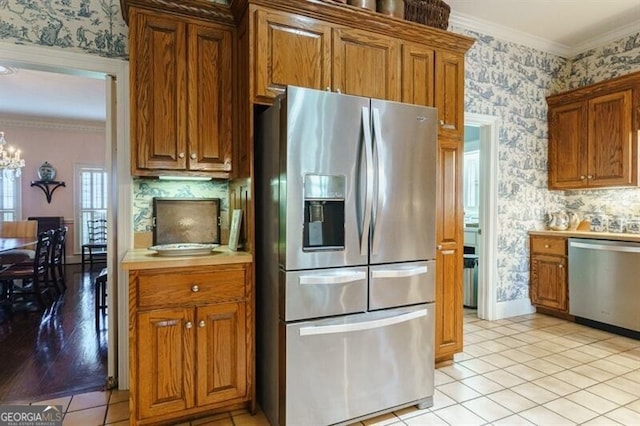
(56, 352)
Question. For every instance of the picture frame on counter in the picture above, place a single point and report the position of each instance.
(234, 231)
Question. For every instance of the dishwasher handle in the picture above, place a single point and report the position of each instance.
(605, 247)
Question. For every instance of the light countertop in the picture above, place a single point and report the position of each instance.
(615, 236)
(137, 259)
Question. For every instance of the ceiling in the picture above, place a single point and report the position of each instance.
(562, 27)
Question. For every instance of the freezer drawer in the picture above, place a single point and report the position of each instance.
(402, 284)
(344, 368)
(323, 292)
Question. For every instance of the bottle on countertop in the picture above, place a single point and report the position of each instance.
(598, 222)
(617, 223)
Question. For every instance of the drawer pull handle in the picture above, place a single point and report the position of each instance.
(547, 246)
(188, 325)
(201, 324)
(195, 288)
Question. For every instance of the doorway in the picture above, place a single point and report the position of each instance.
(480, 192)
(115, 73)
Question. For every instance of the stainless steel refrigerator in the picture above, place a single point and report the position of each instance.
(345, 257)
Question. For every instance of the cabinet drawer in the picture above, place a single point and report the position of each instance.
(176, 288)
(549, 245)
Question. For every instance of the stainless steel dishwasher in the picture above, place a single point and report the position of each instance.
(604, 281)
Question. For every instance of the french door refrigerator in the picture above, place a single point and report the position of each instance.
(345, 257)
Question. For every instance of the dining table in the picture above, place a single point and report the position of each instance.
(12, 243)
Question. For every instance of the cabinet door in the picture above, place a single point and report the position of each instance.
(222, 355)
(449, 93)
(366, 64)
(158, 88)
(610, 140)
(568, 146)
(549, 282)
(449, 263)
(290, 50)
(418, 78)
(210, 98)
(165, 360)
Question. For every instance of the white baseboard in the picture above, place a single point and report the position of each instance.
(514, 308)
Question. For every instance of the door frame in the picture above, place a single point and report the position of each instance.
(488, 220)
(117, 146)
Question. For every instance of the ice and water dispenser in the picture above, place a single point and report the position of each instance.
(324, 227)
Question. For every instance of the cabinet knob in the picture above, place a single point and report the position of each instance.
(442, 122)
(547, 246)
(195, 288)
(582, 177)
(201, 324)
(338, 90)
(181, 155)
(590, 177)
(193, 156)
(189, 324)
(328, 89)
(560, 266)
(439, 247)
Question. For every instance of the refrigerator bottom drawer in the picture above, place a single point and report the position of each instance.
(344, 368)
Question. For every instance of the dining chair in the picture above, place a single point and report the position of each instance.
(100, 301)
(18, 229)
(96, 248)
(34, 275)
(57, 260)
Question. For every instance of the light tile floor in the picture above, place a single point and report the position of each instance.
(527, 370)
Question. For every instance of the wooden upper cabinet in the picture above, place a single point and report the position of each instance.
(449, 93)
(568, 146)
(290, 50)
(181, 95)
(610, 140)
(210, 98)
(366, 64)
(418, 74)
(593, 135)
(158, 91)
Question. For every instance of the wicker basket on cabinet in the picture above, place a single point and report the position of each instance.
(434, 13)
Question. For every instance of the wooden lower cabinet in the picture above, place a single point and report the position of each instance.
(450, 244)
(189, 356)
(549, 290)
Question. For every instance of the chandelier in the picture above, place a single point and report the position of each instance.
(10, 161)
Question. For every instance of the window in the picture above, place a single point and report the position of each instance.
(10, 199)
(91, 196)
(471, 185)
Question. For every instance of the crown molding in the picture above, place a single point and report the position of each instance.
(52, 124)
(508, 34)
(482, 26)
(606, 38)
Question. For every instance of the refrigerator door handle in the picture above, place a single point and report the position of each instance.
(399, 273)
(377, 136)
(332, 279)
(361, 326)
(368, 198)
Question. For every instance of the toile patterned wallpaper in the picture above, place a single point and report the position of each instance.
(88, 26)
(503, 79)
(511, 81)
